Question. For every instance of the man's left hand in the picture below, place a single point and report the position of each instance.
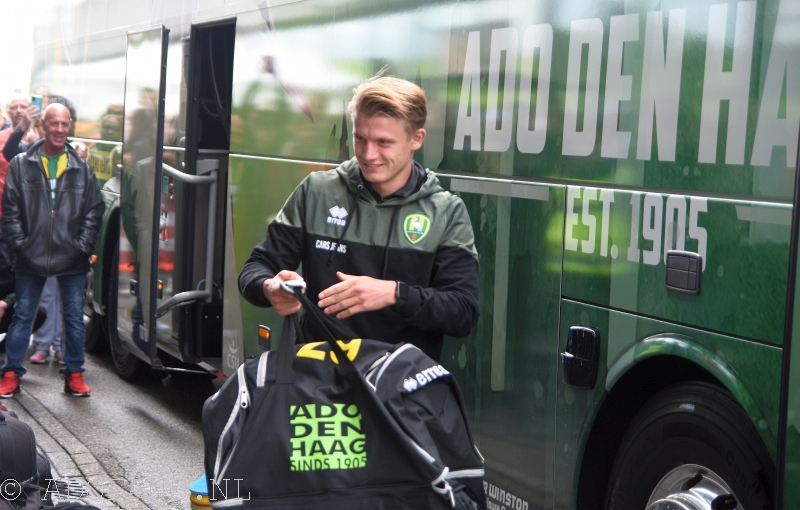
(356, 294)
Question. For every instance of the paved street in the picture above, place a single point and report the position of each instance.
(137, 445)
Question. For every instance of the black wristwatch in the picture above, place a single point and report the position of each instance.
(401, 293)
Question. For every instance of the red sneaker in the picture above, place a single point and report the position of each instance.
(9, 385)
(75, 386)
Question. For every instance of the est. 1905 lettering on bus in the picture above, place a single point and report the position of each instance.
(662, 224)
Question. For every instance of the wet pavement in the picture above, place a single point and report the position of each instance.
(133, 445)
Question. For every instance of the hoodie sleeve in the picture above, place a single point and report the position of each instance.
(451, 303)
(282, 248)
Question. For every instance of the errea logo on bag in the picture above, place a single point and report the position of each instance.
(411, 384)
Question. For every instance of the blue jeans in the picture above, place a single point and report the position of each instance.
(50, 332)
(29, 289)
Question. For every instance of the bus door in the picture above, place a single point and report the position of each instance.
(140, 192)
(200, 209)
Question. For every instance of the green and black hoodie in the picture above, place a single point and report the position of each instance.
(332, 222)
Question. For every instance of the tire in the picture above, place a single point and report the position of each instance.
(694, 428)
(95, 341)
(126, 364)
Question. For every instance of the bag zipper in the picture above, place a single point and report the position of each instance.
(390, 359)
(242, 402)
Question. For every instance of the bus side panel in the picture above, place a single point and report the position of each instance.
(506, 367)
(616, 243)
(747, 369)
(283, 104)
(258, 189)
(791, 489)
(292, 84)
(621, 109)
(613, 120)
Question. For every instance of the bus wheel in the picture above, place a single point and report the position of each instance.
(691, 446)
(95, 342)
(126, 364)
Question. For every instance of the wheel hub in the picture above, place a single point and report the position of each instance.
(692, 487)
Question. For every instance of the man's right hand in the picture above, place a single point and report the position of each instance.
(30, 117)
(284, 303)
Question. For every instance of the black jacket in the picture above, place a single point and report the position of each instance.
(332, 223)
(49, 241)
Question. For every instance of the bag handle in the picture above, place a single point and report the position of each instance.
(293, 330)
(289, 333)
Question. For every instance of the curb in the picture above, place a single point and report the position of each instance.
(70, 458)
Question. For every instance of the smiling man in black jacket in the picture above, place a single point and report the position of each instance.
(51, 214)
(383, 246)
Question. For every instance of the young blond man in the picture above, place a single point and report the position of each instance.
(383, 246)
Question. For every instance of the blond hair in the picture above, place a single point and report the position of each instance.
(392, 97)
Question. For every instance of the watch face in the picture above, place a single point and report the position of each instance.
(402, 292)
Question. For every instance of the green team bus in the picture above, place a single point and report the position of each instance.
(629, 168)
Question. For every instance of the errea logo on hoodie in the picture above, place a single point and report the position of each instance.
(337, 215)
(411, 384)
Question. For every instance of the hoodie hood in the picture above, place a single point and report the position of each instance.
(350, 173)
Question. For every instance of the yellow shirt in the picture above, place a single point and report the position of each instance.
(54, 165)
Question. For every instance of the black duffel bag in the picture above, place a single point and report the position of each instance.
(354, 425)
(19, 476)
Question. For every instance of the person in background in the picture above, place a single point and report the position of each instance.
(80, 149)
(51, 233)
(20, 112)
(5, 122)
(50, 333)
(25, 132)
(105, 154)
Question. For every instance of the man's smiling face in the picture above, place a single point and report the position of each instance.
(384, 148)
